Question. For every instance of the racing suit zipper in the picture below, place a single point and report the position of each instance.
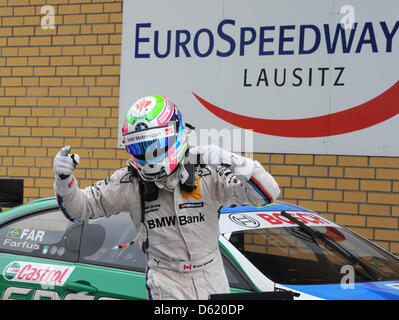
(176, 199)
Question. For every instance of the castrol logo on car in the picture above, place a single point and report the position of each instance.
(20, 271)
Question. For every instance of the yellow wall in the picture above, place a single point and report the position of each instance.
(61, 87)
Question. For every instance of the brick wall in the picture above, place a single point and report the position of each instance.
(61, 87)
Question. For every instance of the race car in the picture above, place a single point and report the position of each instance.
(268, 252)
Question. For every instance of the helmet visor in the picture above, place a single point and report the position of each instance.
(150, 145)
(149, 151)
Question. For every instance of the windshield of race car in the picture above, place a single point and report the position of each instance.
(292, 256)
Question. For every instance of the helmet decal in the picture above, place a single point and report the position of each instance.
(166, 114)
(140, 126)
(141, 108)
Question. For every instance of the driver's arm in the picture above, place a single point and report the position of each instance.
(104, 198)
(258, 189)
(238, 180)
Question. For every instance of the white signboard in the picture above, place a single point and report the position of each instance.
(318, 77)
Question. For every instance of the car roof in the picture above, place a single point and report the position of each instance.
(235, 218)
(24, 209)
(239, 218)
(43, 203)
(274, 206)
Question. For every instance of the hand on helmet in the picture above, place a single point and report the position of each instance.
(214, 155)
(65, 163)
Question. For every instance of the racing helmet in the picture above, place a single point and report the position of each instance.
(155, 137)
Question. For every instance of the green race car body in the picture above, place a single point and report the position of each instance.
(45, 256)
(42, 256)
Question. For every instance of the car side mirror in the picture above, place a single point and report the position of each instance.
(72, 238)
(94, 237)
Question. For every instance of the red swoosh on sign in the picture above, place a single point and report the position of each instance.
(368, 114)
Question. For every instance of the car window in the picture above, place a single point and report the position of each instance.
(47, 235)
(99, 238)
(290, 256)
(234, 276)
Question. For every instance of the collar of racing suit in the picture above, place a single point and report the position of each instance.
(180, 175)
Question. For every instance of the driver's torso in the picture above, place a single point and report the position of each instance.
(181, 226)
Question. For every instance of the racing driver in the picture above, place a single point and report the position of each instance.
(173, 192)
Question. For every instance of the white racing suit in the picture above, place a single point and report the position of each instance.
(183, 256)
